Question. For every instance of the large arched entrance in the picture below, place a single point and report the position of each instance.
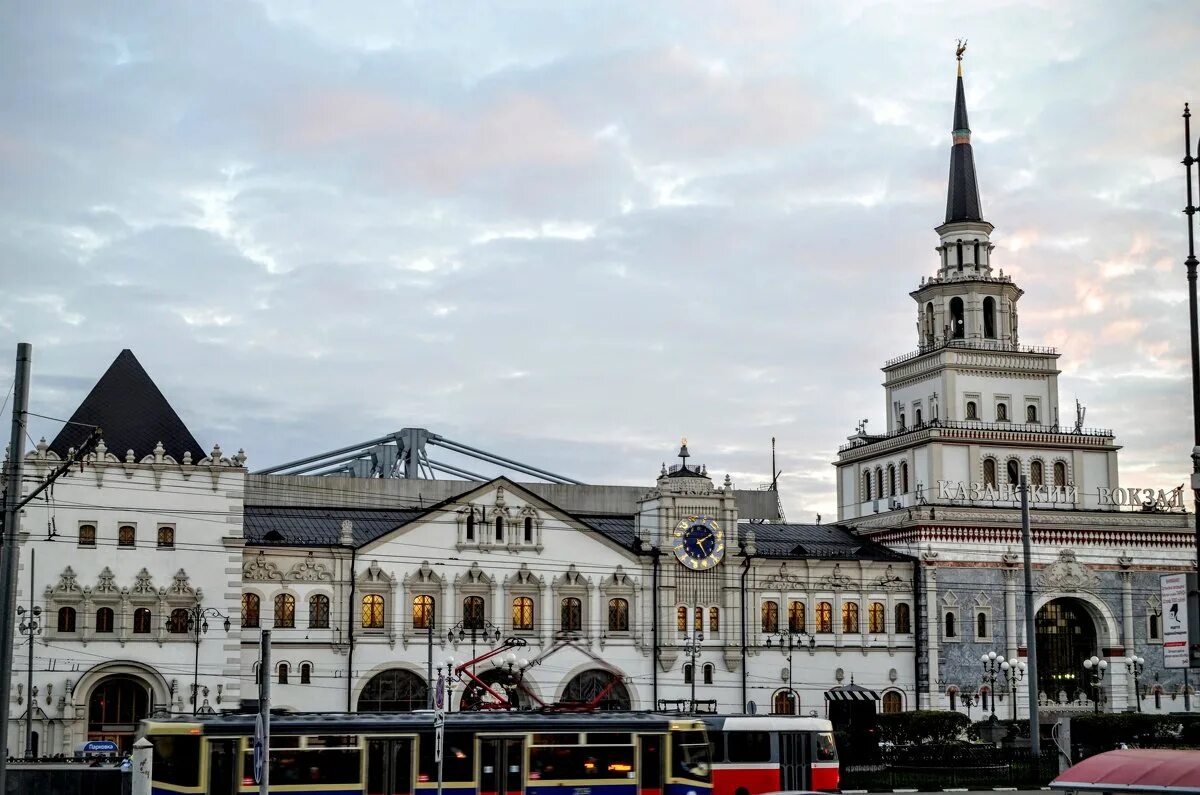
(115, 708)
(1066, 636)
(395, 690)
(599, 687)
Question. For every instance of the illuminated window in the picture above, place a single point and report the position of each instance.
(126, 536)
(824, 617)
(522, 613)
(876, 617)
(770, 616)
(250, 603)
(87, 535)
(850, 617)
(714, 620)
(698, 619)
(318, 611)
(796, 617)
(681, 614)
(285, 611)
(618, 615)
(892, 703)
(422, 609)
(372, 611)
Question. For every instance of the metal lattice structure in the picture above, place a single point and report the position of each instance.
(405, 454)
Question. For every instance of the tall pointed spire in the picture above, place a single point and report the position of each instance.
(962, 197)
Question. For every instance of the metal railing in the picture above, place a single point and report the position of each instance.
(935, 768)
(978, 425)
(971, 345)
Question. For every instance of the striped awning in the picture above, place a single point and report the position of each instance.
(851, 692)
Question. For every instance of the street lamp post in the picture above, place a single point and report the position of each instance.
(1009, 671)
(1190, 263)
(197, 625)
(692, 649)
(1135, 665)
(991, 670)
(1097, 668)
(476, 630)
(31, 627)
(788, 641)
(1014, 671)
(449, 680)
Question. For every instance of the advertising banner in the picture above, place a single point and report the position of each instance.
(1174, 594)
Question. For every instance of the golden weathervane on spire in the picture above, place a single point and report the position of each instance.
(958, 53)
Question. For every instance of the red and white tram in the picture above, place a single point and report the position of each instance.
(752, 754)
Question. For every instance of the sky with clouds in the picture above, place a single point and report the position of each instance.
(572, 233)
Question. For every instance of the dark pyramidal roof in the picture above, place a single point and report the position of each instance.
(133, 414)
(962, 197)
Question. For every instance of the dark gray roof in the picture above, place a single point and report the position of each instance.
(824, 541)
(133, 414)
(321, 527)
(962, 195)
(618, 529)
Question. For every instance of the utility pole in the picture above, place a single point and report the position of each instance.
(262, 732)
(1190, 263)
(12, 513)
(1035, 740)
(33, 625)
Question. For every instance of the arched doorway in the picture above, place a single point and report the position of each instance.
(395, 690)
(785, 702)
(595, 683)
(1066, 636)
(503, 682)
(115, 708)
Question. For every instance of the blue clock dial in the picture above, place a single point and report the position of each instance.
(699, 542)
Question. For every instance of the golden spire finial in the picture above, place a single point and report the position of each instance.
(958, 54)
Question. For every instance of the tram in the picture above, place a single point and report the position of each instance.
(752, 754)
(484, 753)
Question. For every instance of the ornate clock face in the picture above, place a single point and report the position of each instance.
(699, 542)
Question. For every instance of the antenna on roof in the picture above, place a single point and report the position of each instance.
(774, 472)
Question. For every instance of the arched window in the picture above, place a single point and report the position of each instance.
(981, 627)
(522, 613)
(977, 263)
(903, 621)
(1060, 474)
(687, 673)
(891, 480)
(473, 612)
(1001, 412)
(141, 621)
(597, 686)
(904, 477)
(850, 617)
(528, 529)
(985, 696)
(87, 535)
(285, 610)
(917, 417)
(177, 624)
(784, 702)
(681, 614)
(1031, 413)
(989, 317)
(824, 617)
(953, 695)
(958, 328)
(879, 487)
(876, 617)
(714, 620)
(126, 536)
(471, 526)
(618, 615)
(989, 472)
(372, 611)
(305, 674)
(709, 671)
(571, 619)
(104, 619)
(166, 537)
(958, 245)
(796, 617)
(951, 630)
(283, 673)
(698, 621)
(892, 703)
(499, 528)
(1037, 474)
(250, 603)
(1155, 623)
(318, 611)
(901, 423)
(1014, 471)
(972, 410)
(867, 484)
(929, 323)
(395, 690)
(770, 616)
(422, 611)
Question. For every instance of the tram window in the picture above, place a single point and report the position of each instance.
(717, 741)
(318, 766)
(177, 760)
(573, 762)
(559, 738)
(608, 738)
(690, 755)
(330, 741)
(749, 746)
(826, 748)
(651, 772)
(458, 762)
(284, 741)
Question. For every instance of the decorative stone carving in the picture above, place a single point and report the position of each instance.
(180, 585)
(261, 569)
(1067, 574)
(308, 570)
(106, 583)
(144, 583)
(68, 582)
(836, 579)
(424, 576)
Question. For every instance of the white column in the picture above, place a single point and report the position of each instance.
(931, 627)
(1010, 611)
(143, 760)
(1127, 636)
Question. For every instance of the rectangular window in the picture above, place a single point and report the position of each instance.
(458, 758)
(126, 536)
(87, 535)
(315, 767)
(748, 746)
(166, 537)
(177, 760)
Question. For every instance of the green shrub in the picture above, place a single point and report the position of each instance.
(922, 726)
